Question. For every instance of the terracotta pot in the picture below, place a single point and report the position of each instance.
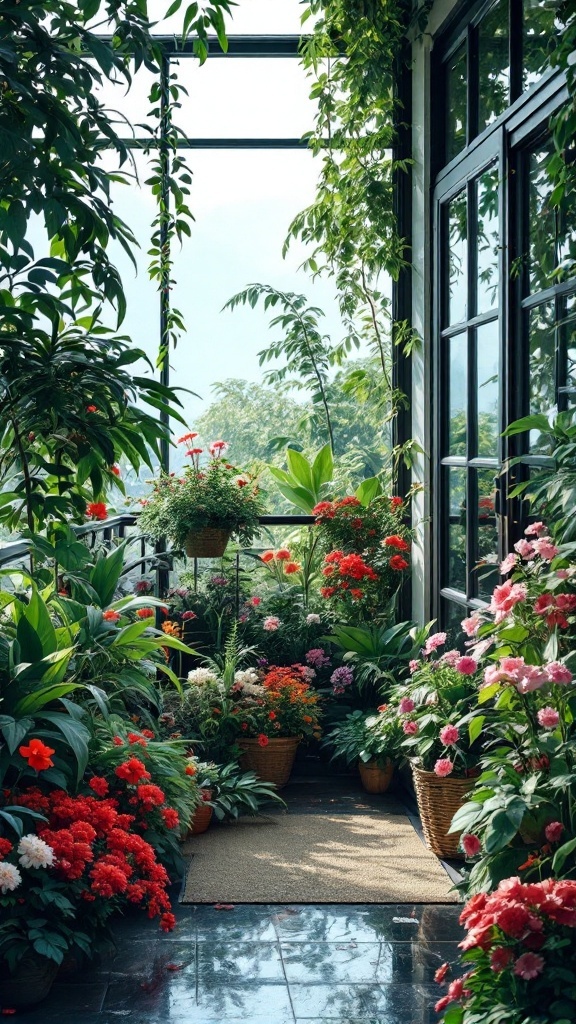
(202, 816)
(374, 778)
(30, 983)
(272, 763)
(208, 542)
(438, 800)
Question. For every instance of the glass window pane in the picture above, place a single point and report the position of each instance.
(128, 108)
(542, 341)
(542, 223)
(487, 558)
(488, 243)
(457, 384)
(457, 259)
(494, 64)
(538, 33)
(451, 616)
(456, 539)
(456, 102)
(244, 98)
(568, 329)
(487, 355)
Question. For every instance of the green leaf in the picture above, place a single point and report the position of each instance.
(368, 490)
(300, 469)
(106, 573)
(322, 468)
(475, 728)
(561, 855)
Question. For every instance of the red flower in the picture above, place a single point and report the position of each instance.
(441, 973)
(145, 613)
(395, 503)
(271, 715)
(132, 771)
(150, 796)
(356, 593)
(99, 785)
(188, 616)
(38, 755)
(167, 922)
(110, 615)
(118, 741)
(170, 816)
(395, 541)
(135, 738)
(5, 847)
(91, 408)
(268, 556)
(398, 563)
(115, 469)
(263, 740)
(283, 555)
(291, 567)
(186, 437)
(244, 726)
(97, 510)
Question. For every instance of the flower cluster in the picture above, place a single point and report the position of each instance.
(352, 526)
(348, 577)
(520, 944)
(282, 704)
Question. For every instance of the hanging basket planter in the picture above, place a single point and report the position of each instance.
(374, 778)
(208, 542)
(272, 763)
(438, 800)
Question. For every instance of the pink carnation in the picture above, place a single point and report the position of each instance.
(271, 623)
(508, 564)
(466, 665)
(535, 529)
(413, 665)
(553, 831)
(443, 767)
(505, 597)
(532, 679)
(434, 642)
(524, 548)
(451, 658)
(406, 705)
(529, 965)
(557, 672)
(546, 549)
(472, 624)
(548, 718)
(471, 845)
(449, 735)
(410, 728)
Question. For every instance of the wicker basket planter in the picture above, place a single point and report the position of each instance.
(209, 542)
(272, 763)
(374, 778)
(30, 983)
(438, 800)
(201, 818)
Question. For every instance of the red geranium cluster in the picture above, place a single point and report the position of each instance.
(517, 934)
(98, 853)
(344, 573)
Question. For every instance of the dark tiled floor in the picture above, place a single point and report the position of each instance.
(370, 964)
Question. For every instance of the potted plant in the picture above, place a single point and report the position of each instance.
(203, 775)
(203, 507)
(229, 792)
(371, 741)
(274, 714)
(438, 712)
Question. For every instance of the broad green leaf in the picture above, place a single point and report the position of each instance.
(322, 468)
(368, 490)
(300, 469)
(106, 573)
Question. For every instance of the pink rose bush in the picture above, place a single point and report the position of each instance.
(520, 950)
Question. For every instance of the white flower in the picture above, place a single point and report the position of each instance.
(313, 620)
(201, 676)
(253, 690)
(35, 853)
(250, 675)
(10, 877)
(308, 673)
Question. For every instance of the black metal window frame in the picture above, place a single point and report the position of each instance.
(506, 141)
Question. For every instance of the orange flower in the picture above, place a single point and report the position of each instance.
(110, 615)
(189, 770)
(38, 755)
(171, 628)
(291, 567)
(307, 719)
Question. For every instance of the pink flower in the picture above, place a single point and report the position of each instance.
(512, 666)
(546, 549)
(548, 718)
(493, 674)
(443, 767)
(433, 642)
(413, 665)
(529, 965)
(449, 735)
(217, 448)
(505, 597)
(442, 1004)
(271, 623)
(406, 705)
(535, 529)
(558, 672)
(472, 624)
(566, 602)
(500, 957)
(451, 658)
(466, 665)
(508, 564)
(533, 679)
(524, 548)
(410, 728)
(562, 574)
(553, 831)
(471, 845)
(188, 616)
(441, 973)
